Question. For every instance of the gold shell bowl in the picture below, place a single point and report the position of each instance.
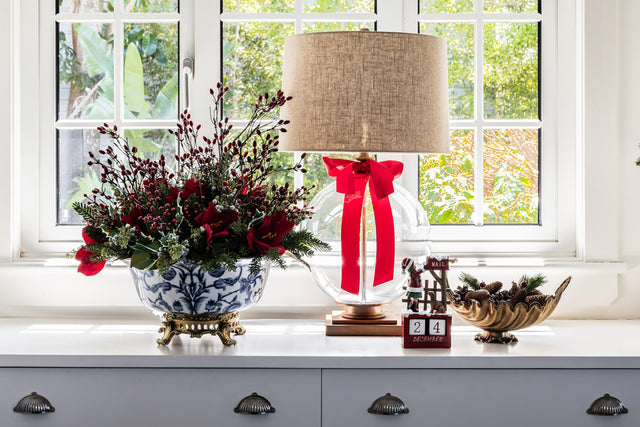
(497, 319)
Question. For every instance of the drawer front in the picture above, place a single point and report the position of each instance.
(479, 397)
(160, 397)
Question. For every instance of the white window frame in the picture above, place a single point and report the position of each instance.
(39, 237)
(48, 238)
(555, 236)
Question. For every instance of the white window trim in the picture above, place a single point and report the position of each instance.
(27, 242)
(38, 65)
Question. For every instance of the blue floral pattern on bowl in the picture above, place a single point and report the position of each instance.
(185, 288)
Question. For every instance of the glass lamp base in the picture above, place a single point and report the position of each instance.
(411, 229)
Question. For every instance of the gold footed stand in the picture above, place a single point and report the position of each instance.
(363, 320)
(197, 325)
(489, 337)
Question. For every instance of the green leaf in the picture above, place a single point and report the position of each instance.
(85, 185)
(149, 43)
(137, 139)
(134, 82)
(135, 34)
(101, 108)
(166, 103)
(152, 248)
(97, 54)
(142, 261)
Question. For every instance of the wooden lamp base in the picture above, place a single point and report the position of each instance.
(363, 320)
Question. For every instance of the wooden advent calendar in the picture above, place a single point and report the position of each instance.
(429, 327)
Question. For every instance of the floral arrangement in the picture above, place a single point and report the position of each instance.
(216, 205)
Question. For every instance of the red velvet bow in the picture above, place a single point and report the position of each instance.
(351, 180)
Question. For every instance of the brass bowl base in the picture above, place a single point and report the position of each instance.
(197, 325)
(489, 337)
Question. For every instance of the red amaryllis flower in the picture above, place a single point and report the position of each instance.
(216, 223)
(173, 194)
(88, 267)
(270, 233)
(134, 219)
(191, 186)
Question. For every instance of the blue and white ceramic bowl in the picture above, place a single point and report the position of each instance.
(184, 288)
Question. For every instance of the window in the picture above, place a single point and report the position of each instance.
(113, 61)
(119, 61)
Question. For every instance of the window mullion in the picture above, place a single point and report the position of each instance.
(478, 216)
(390, 15)
(118, 64)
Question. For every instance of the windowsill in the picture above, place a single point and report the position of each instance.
(608, 266)
(36, 288)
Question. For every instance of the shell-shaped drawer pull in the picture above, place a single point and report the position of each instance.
(34, 404)
(607, 405)
(388, 405)
(254, 404)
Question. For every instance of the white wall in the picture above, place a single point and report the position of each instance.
(628, 302)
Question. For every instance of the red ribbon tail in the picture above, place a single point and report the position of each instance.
(385, 240)
(350, 240)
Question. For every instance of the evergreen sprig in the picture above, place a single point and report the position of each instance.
(531, 283)
(471, 281)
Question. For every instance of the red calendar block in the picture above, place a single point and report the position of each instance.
(426, 330)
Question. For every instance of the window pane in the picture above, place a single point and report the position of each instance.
(314, 27)
(283, 161)
(252, 58)
(85, 6)
(446, 6)
(339, 6)
(85, 71)
(446, 181)
(151, 71)
(510, 6)
(461, 64)
(150, 6)
(151, 143)
(258, 6)
(317, 173)
(511, 176)
(511, 88)
(75, 177)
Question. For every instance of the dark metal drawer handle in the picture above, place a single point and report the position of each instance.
(34, 404)
(388, 405)
(607, 405)
(254, 404)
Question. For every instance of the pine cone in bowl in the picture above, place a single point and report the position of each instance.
(498, 311)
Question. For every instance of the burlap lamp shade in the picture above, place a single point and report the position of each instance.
(365, 91)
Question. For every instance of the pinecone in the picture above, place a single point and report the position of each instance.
(502, 296)
(478, 295)
(536, 292)
(494, 287)
(536, 299)
(519, 296)
(514, 289)
(460, 293)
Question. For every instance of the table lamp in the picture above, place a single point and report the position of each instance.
(365, 92)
